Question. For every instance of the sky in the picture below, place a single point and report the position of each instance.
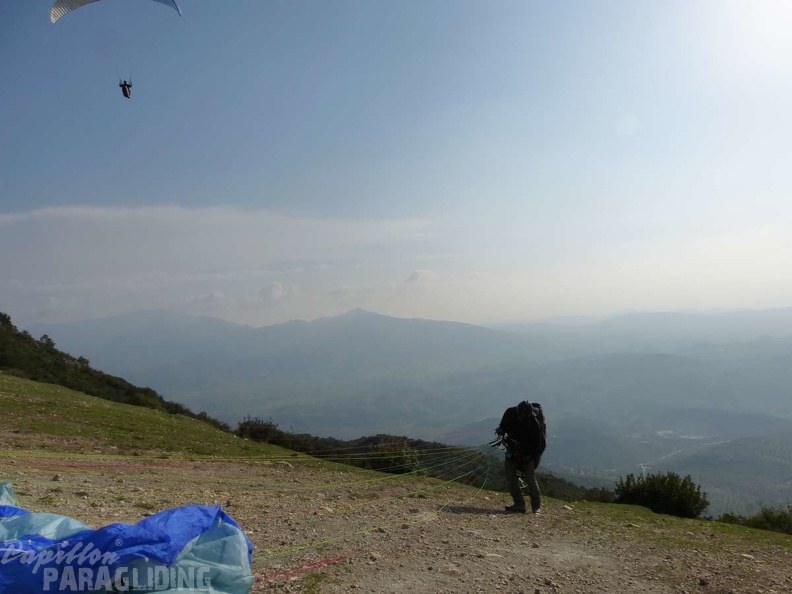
(485, 162)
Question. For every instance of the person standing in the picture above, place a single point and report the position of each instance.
(523, 430)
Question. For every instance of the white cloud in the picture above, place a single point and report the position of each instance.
(420, 277)
(272, 293)
(211, 298)
(99, 261)
(254, 267)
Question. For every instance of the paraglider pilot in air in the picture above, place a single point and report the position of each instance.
(126, 89)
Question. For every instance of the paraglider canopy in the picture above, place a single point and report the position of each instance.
(63, 7)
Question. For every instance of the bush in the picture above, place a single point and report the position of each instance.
(259, 430)
(145, 398)
(663, 494)
(600, 495)
(775, 520)
(5, 320)
(395, 457)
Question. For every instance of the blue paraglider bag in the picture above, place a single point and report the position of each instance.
(197, 548)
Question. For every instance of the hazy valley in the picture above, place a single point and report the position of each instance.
(701, 394)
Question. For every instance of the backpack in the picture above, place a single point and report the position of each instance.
(541, 425)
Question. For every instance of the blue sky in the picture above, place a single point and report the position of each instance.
(477, 161)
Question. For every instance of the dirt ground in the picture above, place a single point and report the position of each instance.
(320, 528)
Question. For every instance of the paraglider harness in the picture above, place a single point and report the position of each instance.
(513, 453)
(126, 88)
(512, 447)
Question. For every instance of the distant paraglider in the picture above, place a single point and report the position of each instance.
(64, 7)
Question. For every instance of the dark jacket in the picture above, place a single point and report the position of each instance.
(524, 432)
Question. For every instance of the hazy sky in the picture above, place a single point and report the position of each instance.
(475, 161)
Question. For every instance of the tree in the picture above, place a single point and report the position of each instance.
(47, 341)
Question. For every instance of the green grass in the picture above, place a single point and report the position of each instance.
(313, 582)
(678, 532)
(30, 408)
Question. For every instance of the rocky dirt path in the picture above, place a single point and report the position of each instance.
(322, 528)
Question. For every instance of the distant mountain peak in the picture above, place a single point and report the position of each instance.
(359, 312)
(353, 316)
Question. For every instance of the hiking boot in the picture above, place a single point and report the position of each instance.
(537, 511)
(514, 509)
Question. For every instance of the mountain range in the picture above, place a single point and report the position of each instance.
(636, 392)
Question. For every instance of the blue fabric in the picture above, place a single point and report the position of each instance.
(201, 544)
(9, 511)
(7, 494)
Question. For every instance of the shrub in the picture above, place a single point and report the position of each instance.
(395, 457)
(663, 494)
(47, 341)
(731, 518)
(259, 430)
(777, 520)
(600, 495)
(145, 398)
(773, 519)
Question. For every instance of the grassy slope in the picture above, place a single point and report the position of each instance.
(86, 423)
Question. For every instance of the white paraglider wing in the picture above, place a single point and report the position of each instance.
(63, 7)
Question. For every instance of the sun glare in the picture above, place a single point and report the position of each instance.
(761, 34)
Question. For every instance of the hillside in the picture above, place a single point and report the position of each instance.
(321, 528)
(48, 417)
(40, 360)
